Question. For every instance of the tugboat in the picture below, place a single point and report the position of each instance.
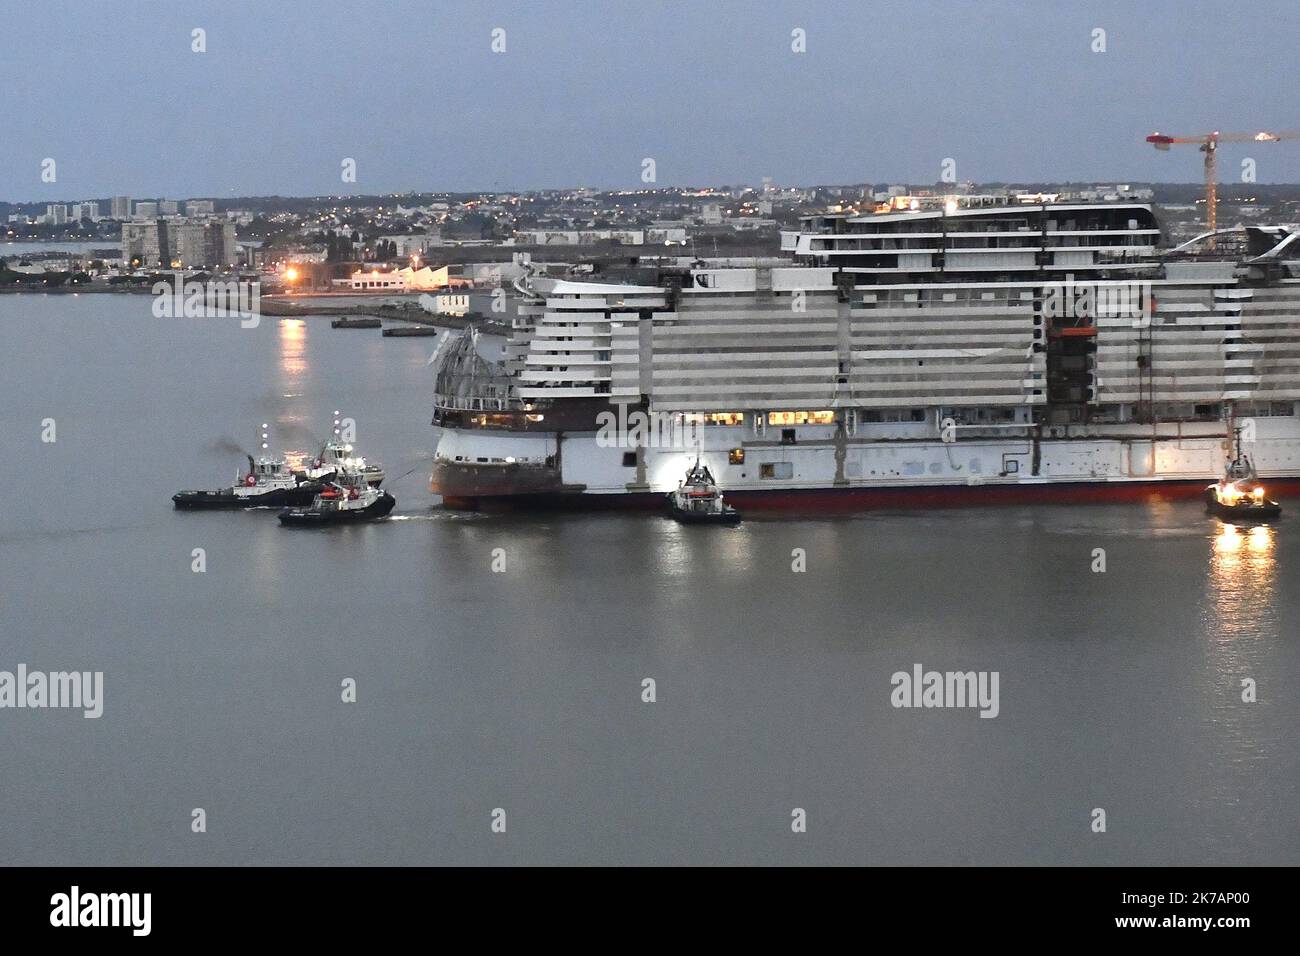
(269, 483)
(698, 501)
(336, 458)
(346, 501)
(1239, 496)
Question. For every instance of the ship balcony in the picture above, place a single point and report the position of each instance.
(874, 248)
(567, 333)
(991, 249)
(566, 375)
(1102, 232)
(552, 319)
(1032, 243)
(559, 345)
(889, 236)
(557, 360)
(1110, 248)
(585, 316)
(570, 334)
(572, 331)
(1133, 262)
(990, 233)
(960, 266)
(565, 391)
(880, 270)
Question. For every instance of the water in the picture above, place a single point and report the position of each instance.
(521, 690)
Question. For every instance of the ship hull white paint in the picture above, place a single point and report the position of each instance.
(821, 460)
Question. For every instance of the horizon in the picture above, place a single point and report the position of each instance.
(147, 197)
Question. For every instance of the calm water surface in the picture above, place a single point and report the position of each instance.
(522, 690)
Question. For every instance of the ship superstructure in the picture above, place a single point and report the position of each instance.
(962, 353)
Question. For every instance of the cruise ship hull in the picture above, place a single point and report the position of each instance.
(834, 473)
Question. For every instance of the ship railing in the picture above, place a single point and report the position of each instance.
(477, 403)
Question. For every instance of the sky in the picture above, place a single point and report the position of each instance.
(584, 92)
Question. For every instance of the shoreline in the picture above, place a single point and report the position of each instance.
(277, 307)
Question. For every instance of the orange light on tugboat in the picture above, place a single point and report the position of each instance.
(1229, 499)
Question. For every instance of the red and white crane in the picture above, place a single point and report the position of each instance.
(1209, 145)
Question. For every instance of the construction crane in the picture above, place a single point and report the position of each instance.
(1209, 144)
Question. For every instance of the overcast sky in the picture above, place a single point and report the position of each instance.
(712, 91)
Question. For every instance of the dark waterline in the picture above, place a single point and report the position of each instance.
(522, 690)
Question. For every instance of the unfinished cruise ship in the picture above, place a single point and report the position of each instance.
(972, 353)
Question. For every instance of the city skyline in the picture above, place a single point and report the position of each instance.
(695, 190)
(433, 97)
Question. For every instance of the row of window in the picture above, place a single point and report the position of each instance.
(801, 418)
(736, 456)
(821, 417)
(773, 418)
(1264, 409)
(714, 418)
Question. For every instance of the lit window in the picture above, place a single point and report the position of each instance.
(714, 418)
(801, 418)
(736, 456)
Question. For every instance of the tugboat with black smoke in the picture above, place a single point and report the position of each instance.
(697, 500)
(268, 483)
(345, 500)
(1239, 496)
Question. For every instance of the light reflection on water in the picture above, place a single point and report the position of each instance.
(293, 342)
(294, 368)
(1242, 580)
(1241, 624)
(682, 550)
